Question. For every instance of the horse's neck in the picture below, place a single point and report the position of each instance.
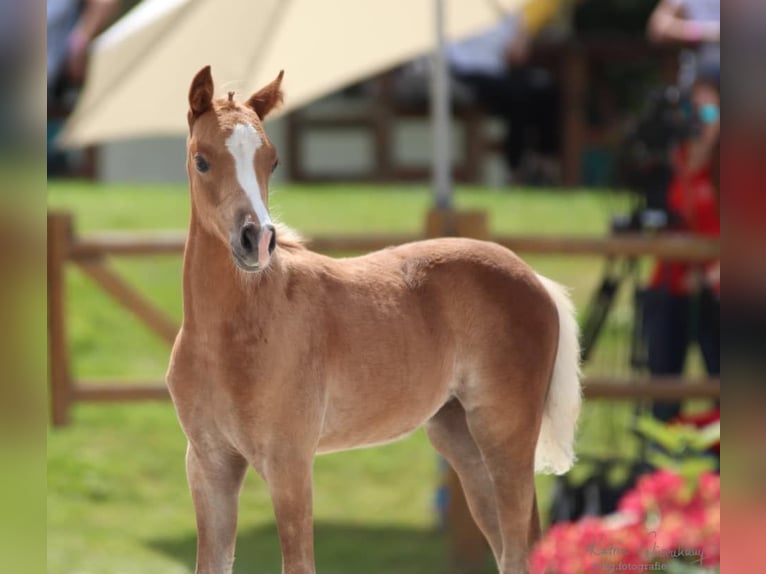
(214, 290)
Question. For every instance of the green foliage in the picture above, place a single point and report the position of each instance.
(679, 439)
(684, 446)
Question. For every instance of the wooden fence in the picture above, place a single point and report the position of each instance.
(90, 254)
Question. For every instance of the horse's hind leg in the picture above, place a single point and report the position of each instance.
(507, 438)
(450, 436)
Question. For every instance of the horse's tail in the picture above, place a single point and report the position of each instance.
(555, 445)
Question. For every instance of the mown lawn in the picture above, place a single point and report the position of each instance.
(117, 496)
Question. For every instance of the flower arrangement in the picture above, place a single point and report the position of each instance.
(658, 522)
(670, 521)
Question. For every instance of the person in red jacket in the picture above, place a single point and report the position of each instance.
(683, 302)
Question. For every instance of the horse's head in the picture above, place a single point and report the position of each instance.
(229, 161)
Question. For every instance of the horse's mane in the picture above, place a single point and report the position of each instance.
(288, 237)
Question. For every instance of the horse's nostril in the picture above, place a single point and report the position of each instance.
(273, 240)
(247, 237)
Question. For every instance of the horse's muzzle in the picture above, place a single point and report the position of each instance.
(253, 246)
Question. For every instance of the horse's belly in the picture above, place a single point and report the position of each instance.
(379, 418)
(335, 442)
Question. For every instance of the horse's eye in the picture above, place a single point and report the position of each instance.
(275, 166)
(201, 164)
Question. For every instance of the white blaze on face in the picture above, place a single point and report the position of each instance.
(242, 144)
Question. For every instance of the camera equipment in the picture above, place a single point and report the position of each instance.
(646, 169)
(645, 166)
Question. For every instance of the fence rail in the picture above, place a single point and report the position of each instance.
(672, 246)
(90, 252)
(657, 388)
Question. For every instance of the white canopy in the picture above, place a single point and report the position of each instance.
(140, 68)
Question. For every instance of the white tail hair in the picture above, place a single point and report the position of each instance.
(555, 446)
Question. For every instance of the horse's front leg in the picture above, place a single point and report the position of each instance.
(215, 480)
(289, 478)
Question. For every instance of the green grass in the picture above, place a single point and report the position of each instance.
(334, 208)
(118, 500)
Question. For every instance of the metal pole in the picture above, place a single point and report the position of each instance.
(440, 115)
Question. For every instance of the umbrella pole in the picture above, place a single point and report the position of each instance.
(468, 545)
(440, 115)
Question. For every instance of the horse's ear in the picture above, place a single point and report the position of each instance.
(268, 97)
(201, 93)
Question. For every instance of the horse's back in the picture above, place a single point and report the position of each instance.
(469, 276)
(463, 286)
(486, 289)
(458, 254)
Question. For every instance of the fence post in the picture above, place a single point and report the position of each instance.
(468, 547)
(452, 223)
(59, 240)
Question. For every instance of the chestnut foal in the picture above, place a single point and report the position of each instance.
(285, 354)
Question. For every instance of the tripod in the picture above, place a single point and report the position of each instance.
(616, 274)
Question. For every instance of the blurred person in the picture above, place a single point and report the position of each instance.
(695, 24)
(683, 302)
(494, 64)
(71, 27)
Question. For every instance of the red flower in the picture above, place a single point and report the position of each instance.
(658, 522)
